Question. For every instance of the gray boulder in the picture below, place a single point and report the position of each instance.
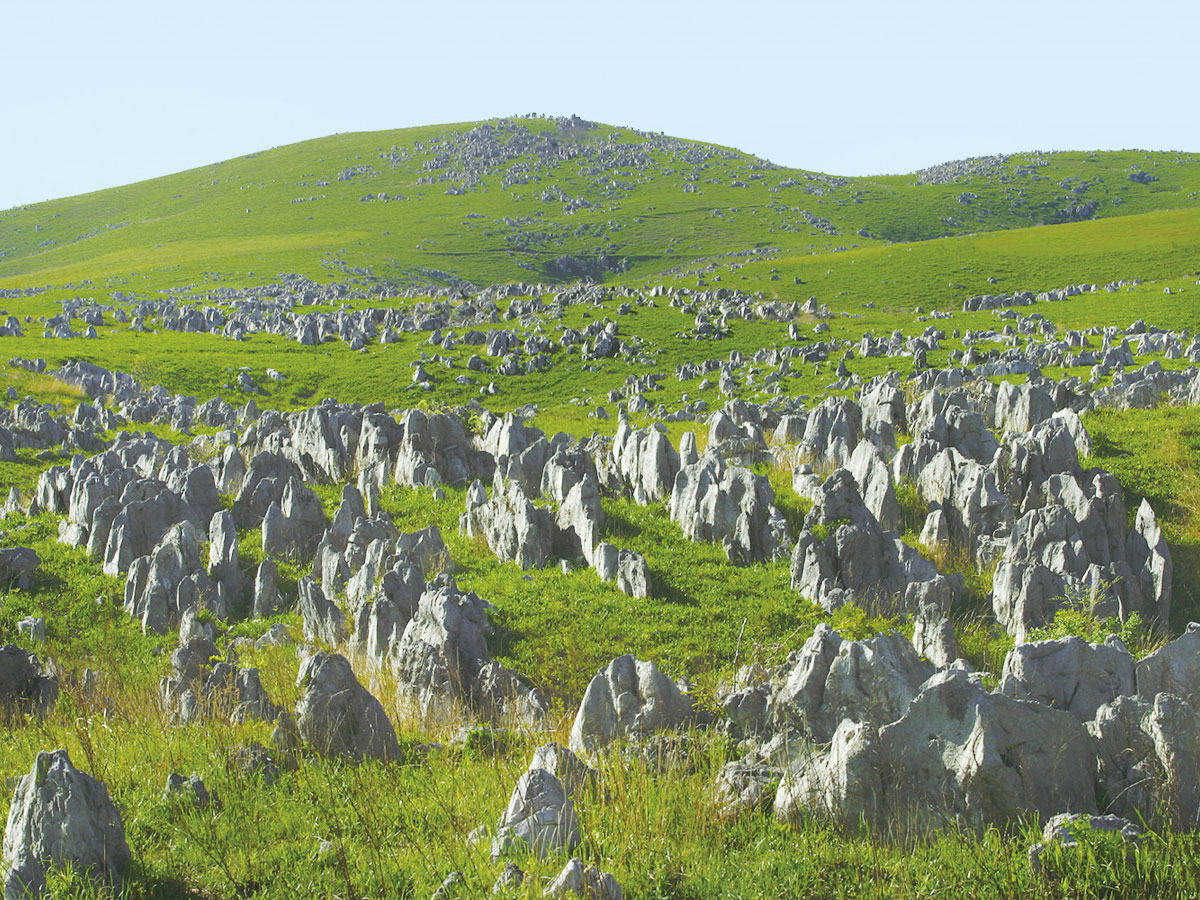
(442, 660)
(1149, 759)
(162, 585)
(580, 520)
(745, 786)
(958, 757)
(633, 574)
(62, 816)
(843, 555)
(34, 627)
(564, 765)
(584, 881)
(224, 563)
(641, 462)
(337, 716)
(266, 601)
(1064, 830)
(515, 529)
(293, 527)
(539, 818)
(263, 484)
(968, 496)
(437, 447)
(1019, 407)
(26, 686)
(835, 680)
(323, 621)
(17, 566)
(628, 698)
(1174, 668)
(874, 478)
(191, 788)
(1069, 674)
(933, 635)
(1150, 560)
(730, 506)
(831, 434)
(605, 559)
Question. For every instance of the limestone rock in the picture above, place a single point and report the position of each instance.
(629, 697)
(1149, 759)
(442, 660)
(730, 506)
(323, 621)
(59, 816)
(1064, 830)
(1069, 674)
(585, 881)
(337, 716)
(958, 756)
(26, 686)
(539, 818)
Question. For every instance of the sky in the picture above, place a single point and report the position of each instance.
(101, 94)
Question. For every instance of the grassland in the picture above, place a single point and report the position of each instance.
(874, 250)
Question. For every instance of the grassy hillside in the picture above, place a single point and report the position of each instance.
(541, 200)
(558, 200)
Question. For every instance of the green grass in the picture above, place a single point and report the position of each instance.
(238, 216)
(398, 830)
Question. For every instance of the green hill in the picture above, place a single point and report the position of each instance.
(119, 277)
(539, 199)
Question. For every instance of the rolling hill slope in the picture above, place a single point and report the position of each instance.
(540, 199)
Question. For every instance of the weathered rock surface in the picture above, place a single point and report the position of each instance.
(959, 756)
(1063, 831)
(17, 566)
(323, 620)
(337, 716)
(62, 816)
(584, 881)
(442, 660)
(539, 818)
(730, 506)
(628, 698)
(1149, 759)
(26, 685)
(1069, 674)
(855, 560)
(1173, 668)
(640, 462)
(515, 529)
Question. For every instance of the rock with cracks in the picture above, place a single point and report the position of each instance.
(337, 716)
(62, 816)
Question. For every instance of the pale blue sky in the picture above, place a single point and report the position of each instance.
(100, 94)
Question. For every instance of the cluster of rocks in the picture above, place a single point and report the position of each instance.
(27, 685)
(202, 685)
(998, 467)
(971, 437)
(731, 506)
(1028, 298)
(869, 731)
(565, 475)
(29, 424)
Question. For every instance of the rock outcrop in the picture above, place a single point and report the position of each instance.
(62, 816)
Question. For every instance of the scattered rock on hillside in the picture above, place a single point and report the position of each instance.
(26, 685)
(62, 816)
(628, 698)
(337, 716)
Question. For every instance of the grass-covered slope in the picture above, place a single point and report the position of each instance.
(542, 200)
(560, 200)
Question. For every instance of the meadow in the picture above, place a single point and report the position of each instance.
(880, 253)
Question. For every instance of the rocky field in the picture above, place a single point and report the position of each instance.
(714, 576)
